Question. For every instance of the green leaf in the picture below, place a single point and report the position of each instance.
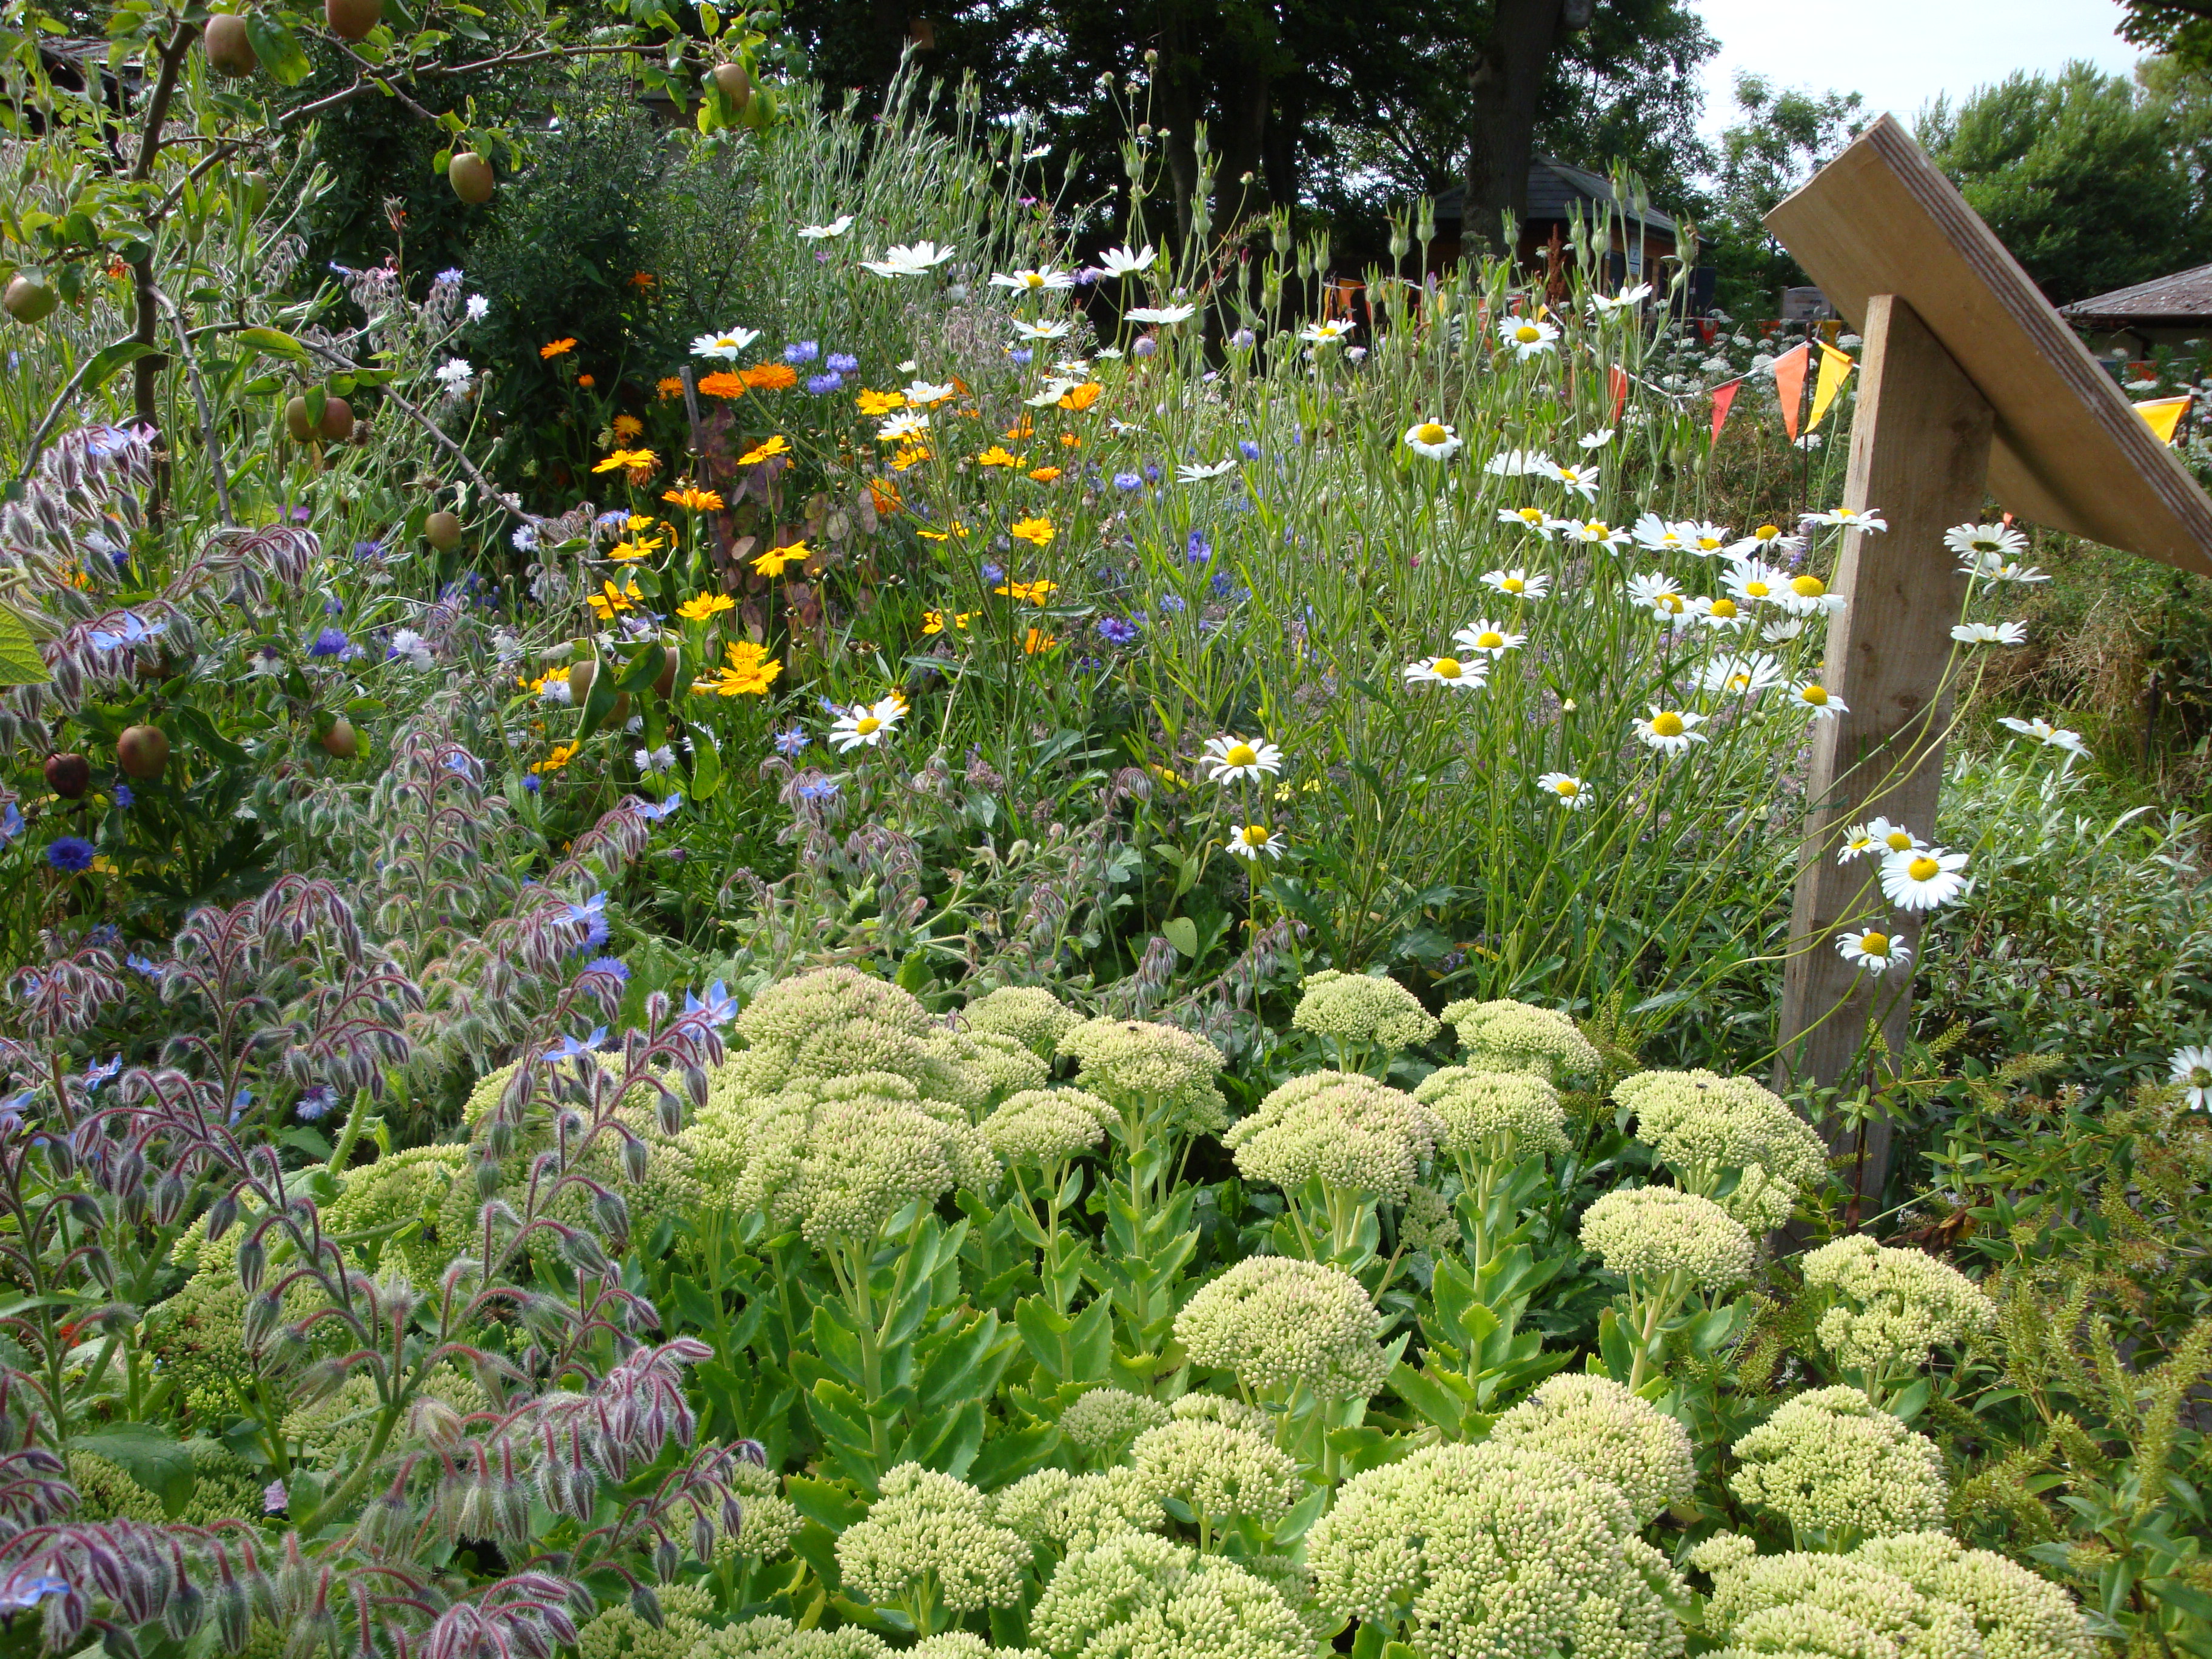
(111, 358)
(1182, 933)
(706, 765)
(1616, 1346)
(1007, 1458)
(1430, 1395)
(149, 1456)
(20, 662)
(825, 1502)
(277, 47)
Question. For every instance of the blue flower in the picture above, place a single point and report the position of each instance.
(95, 1075)
(818, 789)
(842, 362)
(274, 1499)
(992, 574)
(530, 784)
(1115, 631)
(1247, 449)
(24, 1593)
(316, 1103)
(822, 385)
(792, 742)
(569, 1048)
(239, 1103)
(593, 908)
(125, 796)
(71, 854)
(801, 351)
(1151, 472)
(145, 965)
(614, 965)
(719, 1009)
(129, 628)
(333, 607)
(1172, 602)
(464, 762)
(11, 822)
(653, 814)
(1198, 550)
(451, 276)
(1021, 354)
(1127, 481)
(331, 642)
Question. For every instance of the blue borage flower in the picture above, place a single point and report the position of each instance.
(614, 965)
(719, 1007)
(316, 1103)
(569, 1049)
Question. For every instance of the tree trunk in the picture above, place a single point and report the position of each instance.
(1502, 90)
(1178, 105)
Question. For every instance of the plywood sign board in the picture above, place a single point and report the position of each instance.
(2069, 451)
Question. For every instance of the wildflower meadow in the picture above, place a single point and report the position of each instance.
(831, 908)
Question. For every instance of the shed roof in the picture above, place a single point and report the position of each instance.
(1555, 189)
(2183, 298)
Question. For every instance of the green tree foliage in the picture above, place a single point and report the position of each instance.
(1783, 138)
(2084, 177)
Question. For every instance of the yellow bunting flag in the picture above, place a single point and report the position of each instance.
(2163, 415)
(1835, 366)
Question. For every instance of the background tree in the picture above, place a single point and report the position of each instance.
(1783, 138)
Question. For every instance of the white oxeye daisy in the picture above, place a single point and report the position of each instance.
(1467, 676)
(1658, 594)
(1722, 613)
(904, 428)
(1433, 438)
(914, 260)
(1702, 538)
(836, 228)
(2009, 571)
(1161, 316)
(1610, 305)
(1582, 480)
(2011, 633)
(1654, 534)
(1822, 702)
(1120, 262)
(1517, 582)
(2054, 737)
(1232, 759)
(1253, 841)
(1983, 545)
(1033, 282)
(1566, 789)
(1593, 532)
(1754, 581)
(1199, 472)
(1767, 542)
(1526, 336)
(929, 393)
(725, 345)
(1889, 839)
(1782, 630)
(1859, 841)
(1519, 463)
(1742, 677)
(1333, 332)
(455, 373)
(1597, 440)
(1671, 731)
(868, 723)
(1923, 879)
(1531, 517)
(1850, 518)
(1488, 639)
(1807, 595)
(2192, 1071)
(1052, 331)
(1872, 952)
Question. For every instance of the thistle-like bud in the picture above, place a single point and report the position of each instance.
(487, 1176)
(557, 1621)
(583, 1252)
(233, 1614)
(634, 1159)
(667, 1558)
(645, 1604)
(101, 1266)
(84, 1210)
(220, 1215)
(499, 1137)
(61, 1158)
(186, 1606)
(263, 1311)
(612, 1214)
(170, 1193)
(702, 1535)
(668, 1112)
(436, 1422)
(253, 1260)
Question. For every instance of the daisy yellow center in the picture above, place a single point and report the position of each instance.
(1254, 835)
(1815, 695)
(1808, 588)
(1568, 786)
(1446, 668)
(1241, 754)
(1875, 944)
(1723, 608)
(1531, 514)
(1857, 844)
(1672, 602)
(1033, 279)
(1597, 529)
(1758, 590)
(1527, 333)
(867, 724)
(1428, 432)
(1739, 682)
(1666, 725)
(1514, 585)
(1923, 868)
(727, 341)
(1708, 543)
(1897, 841)
(1490, 641)
(1767, 532)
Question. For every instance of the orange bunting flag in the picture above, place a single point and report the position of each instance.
(1789, 385)
(1835, 366)
(1723, 396)
(2163, 415)
(1618, 377)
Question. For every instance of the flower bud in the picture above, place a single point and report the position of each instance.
(634, 1160)
(583, 1252)
(612, 1214)
(645, 1604)
(186, 1606)
(220, 1215)
(234, 1615)
(666, 1560)
(488, 1177)
(169, 1195)
(702, 1535)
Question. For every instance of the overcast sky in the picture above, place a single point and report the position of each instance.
(1899, 54)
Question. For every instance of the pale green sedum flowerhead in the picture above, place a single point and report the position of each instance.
(1347, 1130)
(1101, 1423)
(1655, 1233)
(1030, 1015)
(1162, 1070)
(1040, 1129)
(1217, 1455)
(1365, 1009)
(1838, 1468)
(1702, 1125)
(1280, 1324)
(929, 1533)
(1891, 1306)
(1068, 1513)
(1136, 1595)
(1517, 1036)
(1493, 1116)
(1599, 1429)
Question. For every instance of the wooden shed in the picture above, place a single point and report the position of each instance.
(2131, 322)
(1558, 194)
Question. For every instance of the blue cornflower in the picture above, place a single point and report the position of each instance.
(569, 1048)
(1225, 587)
(1127, 481)
(614, 965)
(823, 384)
(719, 1009)
(1172, 602)
(71, 854)
(1151, 473)
(331, 642)
(1197, 549)
(333, 607)
(11, 822)
(842, 362)
(1021, 355)
(801, 351)
(530, 784)
(792, 742)
(1247, 449)
(1115, 631)
(992, 574)
(316, 1103)
(125, 796)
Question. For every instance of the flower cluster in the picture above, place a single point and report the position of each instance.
(1705, 1127)
(1362, 1011)
(1102, 1422)
(1606, 1433)
(1216, 1456)
(1042, 1128)
(930, 1541)
(1660, 1233)
(1283, 1325)
(1493, 1117)
(1506, 1035)
(1891, 1305)
(1140, 1594)
(1837, 1468)
(1340, 1128)
(1164, 1072)
(1070, 1513)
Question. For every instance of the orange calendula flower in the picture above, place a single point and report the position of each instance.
(998, 455)
(933, 622)
(1044, 474)
(720, 384)
(770, 377)
(1069, 441)
(771, 564)
(1019, 430)
(644, 279)
(626, 426)
(671, 386)
(586, 381)
(1080, 398)
(885, 496)
(1035, 641)
(767, 449)
(694, 499)
(1032, 593)
(879, 403)
(611, 599)
(705, 607)
(557, 348)
(561, 755)
(1038, 533)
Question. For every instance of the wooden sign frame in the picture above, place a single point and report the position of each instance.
(1971, 384)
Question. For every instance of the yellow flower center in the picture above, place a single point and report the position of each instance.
(1254, 835)
(1514, 585)
(1492, 641)
(1527, 333)
(867, 724)
(1429, 432)
(1808, 588)
(1723, 608)
(1531, 514)
(1568, 786)
(1446, 668)
(1708, 543)
(1671, 602)
(1923, 868)
(1767, 532)
(1875, 944)
(1739, 682)
(1666, 725)
(1033, 279)
(1757, 590)
(1897, 841)
(1241, 754)
(1815, 695)
(1597, 529)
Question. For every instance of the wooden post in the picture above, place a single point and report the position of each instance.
(1920, 455)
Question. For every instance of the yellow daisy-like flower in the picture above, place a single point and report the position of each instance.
(767, 449)
(669, 387)
(642, 547)
(624, 460)
(705, 607)
(1037, 642)
(880, 402)
(694, 499)
(557, 348)
(1037, 532)
(561, 755)
(933, 622)
(1078, 399)
(611, 599)
(750, 671)
(626, 426)
(772, 562)
(1044, 474)
(1028, 593)
(911, 455)
(998, 455)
